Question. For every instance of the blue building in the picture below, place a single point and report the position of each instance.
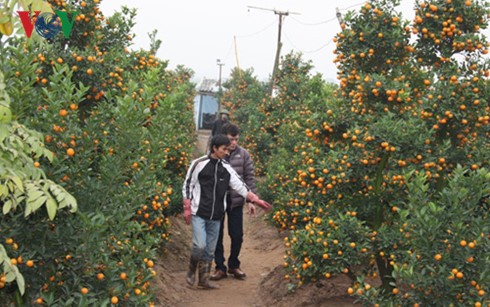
(206, 104)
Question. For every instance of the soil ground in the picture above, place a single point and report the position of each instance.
(261, 258)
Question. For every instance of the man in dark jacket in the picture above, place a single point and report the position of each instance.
(241, 162)
(219, 123)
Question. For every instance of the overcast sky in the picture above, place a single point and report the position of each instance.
(196, 33)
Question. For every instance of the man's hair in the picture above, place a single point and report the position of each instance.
(219, 140)
(230, 129)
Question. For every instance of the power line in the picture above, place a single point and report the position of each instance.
(307, 51)
(229, 51)
(354, 5)
(258, 32)
(325, 21)
(315, 23)
(337, 17)
(277, 12)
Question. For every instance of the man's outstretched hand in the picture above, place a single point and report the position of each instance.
(263, 204)
(259, 202)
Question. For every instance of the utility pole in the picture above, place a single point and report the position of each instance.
(220, 64)
(339, 16)
(279, 46)
(236, 56)
(281, 15)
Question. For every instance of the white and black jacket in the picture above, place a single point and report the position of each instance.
(206, 185)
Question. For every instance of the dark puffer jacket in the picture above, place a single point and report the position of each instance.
(241, 162)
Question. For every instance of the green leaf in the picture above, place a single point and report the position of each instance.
(33, 195)
(49, 155)
(3, 190)
(10, 276)
(21, 284)
(18, 183)
(7, 207)
(51, 207)
(28, 209)
(433, 207)
(38, 5)
(58, 193)
(3, 131)
(3, 254)
(38, 203)
(71, 202)
(61, 197)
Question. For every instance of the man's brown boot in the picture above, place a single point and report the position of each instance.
(191, 274)
(218, 274)
(237, 273)
(204, 269)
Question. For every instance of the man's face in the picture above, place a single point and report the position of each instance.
(222, 151)
(233, 140)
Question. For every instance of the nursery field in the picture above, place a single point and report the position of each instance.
(380, 183)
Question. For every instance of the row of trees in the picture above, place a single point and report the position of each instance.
(94, 145)
(385, 177)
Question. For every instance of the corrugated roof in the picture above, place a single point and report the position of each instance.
(208, 86)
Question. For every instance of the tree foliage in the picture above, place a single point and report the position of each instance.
(366, 182)
(114, 127)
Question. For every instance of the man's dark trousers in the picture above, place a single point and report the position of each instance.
(234, 217)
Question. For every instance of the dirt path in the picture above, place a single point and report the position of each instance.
(261, 257)
(257, 262)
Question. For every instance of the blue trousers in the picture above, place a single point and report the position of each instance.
(204, 237)
(235, 231)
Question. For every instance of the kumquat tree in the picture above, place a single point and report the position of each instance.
(99, 135)
(279, 121)
(389, 183)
